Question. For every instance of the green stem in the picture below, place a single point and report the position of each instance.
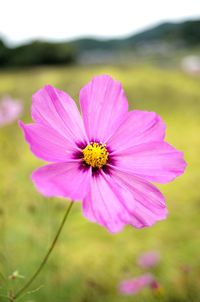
(45, 258)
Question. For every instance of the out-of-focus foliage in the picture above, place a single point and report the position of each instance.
(167, 40)
(184, 33)
(3, 54)
(37, 53)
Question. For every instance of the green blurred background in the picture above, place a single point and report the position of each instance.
(88, 262)
(159, 69)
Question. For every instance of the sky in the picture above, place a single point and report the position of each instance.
(57, 20)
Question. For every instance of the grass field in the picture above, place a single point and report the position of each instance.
(88, 262)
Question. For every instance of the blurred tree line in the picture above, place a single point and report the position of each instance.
(184, 34)
(37, 53)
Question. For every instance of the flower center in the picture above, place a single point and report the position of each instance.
(95, 155)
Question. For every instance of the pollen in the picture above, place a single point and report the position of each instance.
(95, 155)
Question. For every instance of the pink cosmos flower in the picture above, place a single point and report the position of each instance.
(135, 285)
(10, 110)
(149, 259)
(108, 158)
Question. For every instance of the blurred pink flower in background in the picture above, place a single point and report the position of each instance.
(10, 110)
(149, 259)
(157, 289)
(107, 157)
(135, 285)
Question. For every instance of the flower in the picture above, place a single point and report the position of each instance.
(156, 288)
(149, 259)
(10, 110)
(135, 285)
(108, 158)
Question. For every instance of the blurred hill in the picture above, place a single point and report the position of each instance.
(164, 40)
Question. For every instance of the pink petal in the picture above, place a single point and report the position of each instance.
(135, 285)
(47, 144)
(55, 109)
(149, 259)
(156, 161)
(10, 110)
(104, 106)
(119, 199)
(102, 205)
(62, 180)
(139, 127)
(146, 205)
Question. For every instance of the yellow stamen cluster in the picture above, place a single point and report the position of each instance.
(95, 155)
